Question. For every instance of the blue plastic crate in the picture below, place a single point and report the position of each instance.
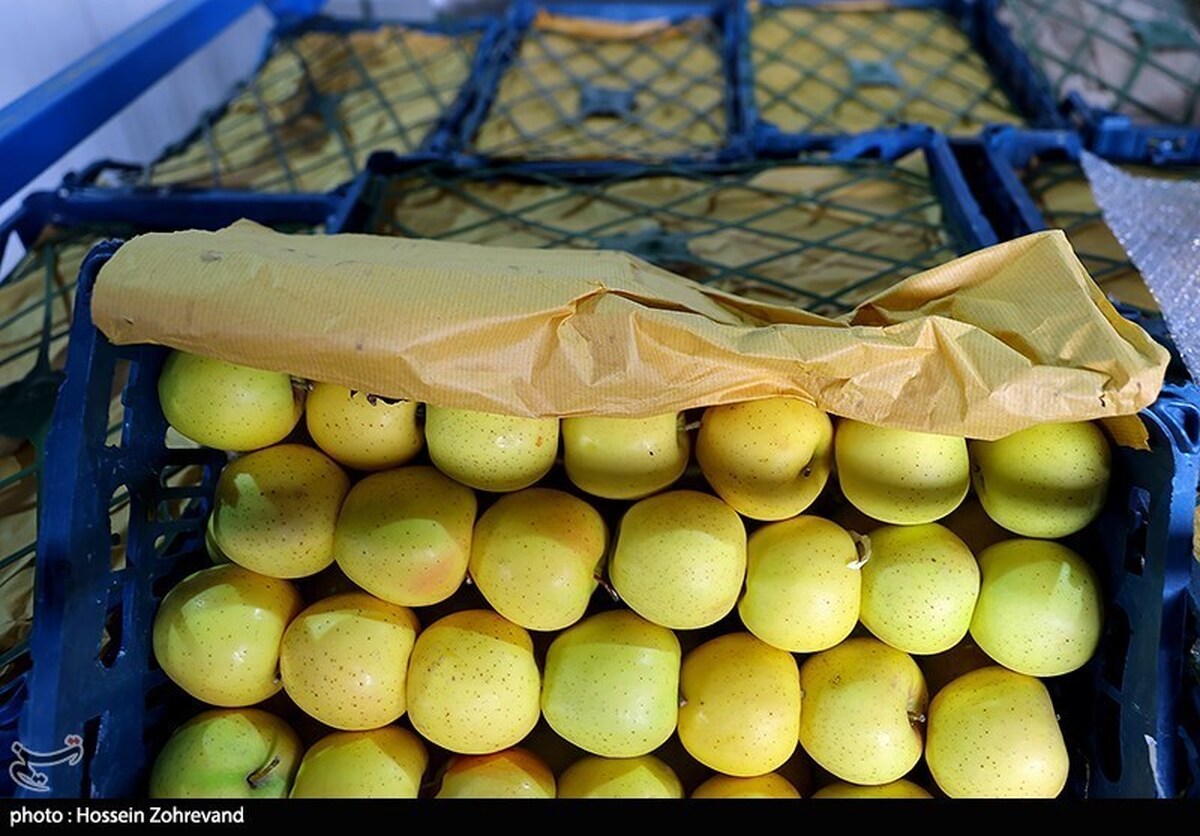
(92, 623)
(658, 84)
(326, 94)
(1140, 106)
(823, 234)
(814, 73)
(57, 232)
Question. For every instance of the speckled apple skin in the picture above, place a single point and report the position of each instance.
(360, 434)
(380, 763)
(1047, 481)
(771, 785)
(898, 476)
(768, 458)
(536, 555)
(597, 777)
(490, 452)
(212, 755)
(680, 559)
(896, 789)
(624, 458)
(993, 734)
(919, 588)
(612, 684)
(509, 773)
(473, 683)
(217, 634)
(404, 535)
(1039, 611)
(227, 406)
(802, 584)
(856, 722)
(275, 510)
(344, 660)
(741, 705)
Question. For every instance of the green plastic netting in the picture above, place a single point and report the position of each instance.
(1136, 57)
(583, 88)
(820, 236)
(320, 105)
(838, 70)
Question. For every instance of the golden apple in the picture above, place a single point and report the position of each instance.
(768, 458)
(771, 785)
(360, 430)
(225, 405)
(624, 458)
(902, 788)
(596, 777)
(510, 773)
(387, 762)
(490, 452)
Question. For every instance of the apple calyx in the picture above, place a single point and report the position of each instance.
(259, 776)
(916, 719)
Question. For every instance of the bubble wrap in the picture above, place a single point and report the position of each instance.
(1158, 223)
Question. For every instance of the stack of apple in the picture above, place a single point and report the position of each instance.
(420, 598)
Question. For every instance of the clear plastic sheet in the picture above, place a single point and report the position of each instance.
(1157, 221)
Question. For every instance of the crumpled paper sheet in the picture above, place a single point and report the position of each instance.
(804, 82)
(383, 90)
(1091, 47)
(842, 232)
(676, 74)
(1157, 221)
(983, 346)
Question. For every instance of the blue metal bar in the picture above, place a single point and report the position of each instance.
(51, 119)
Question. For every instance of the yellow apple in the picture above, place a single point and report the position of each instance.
(1047, 481)
(227, 753)
(740, 712)
(387, 762)
(473, 683)
(624, 458)
(511, 773)
(680, 559)
(919, 587)
(864, 707)
(227, 406)
(360, 430)
(536, 556)
(768, 458)
(404, 535)
(275, 509)
(490, 452)
(771, 785)
(217, 634)
(896, 789)
(993, 734)
(899, 476)
(1039, 610)
(612, 684)
(596, 777)
(344, 660)
(802, 584)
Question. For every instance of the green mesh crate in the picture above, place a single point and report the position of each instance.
(843, 68)
(321, 103)
(1140, 58)
(594, 88)
(1062, 194)
(821, 236)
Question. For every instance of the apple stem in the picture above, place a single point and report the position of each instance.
(256, 778)
(862, 544)
(608, 587)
